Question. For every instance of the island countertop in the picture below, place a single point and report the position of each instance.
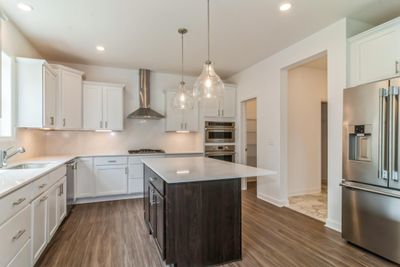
(199, 169)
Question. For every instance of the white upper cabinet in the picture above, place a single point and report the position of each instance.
(180, 120)
(375, 54)
(103, 106)
(70, 98)
(223, 108)
(37, 93)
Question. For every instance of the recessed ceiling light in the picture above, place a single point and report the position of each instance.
(100, 48)
(25, 7)
(285, 7)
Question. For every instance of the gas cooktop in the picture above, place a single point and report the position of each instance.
(145, 151)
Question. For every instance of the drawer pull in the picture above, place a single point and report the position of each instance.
(43, 198)
(112, 161)
(151, 179)
(42, 186)
(18, 235)
(19, 201)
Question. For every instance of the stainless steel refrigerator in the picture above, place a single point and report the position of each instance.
(371, 186)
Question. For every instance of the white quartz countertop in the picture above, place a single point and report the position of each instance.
(11, 180)
(198, 169)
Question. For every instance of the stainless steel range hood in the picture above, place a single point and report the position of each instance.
(145, 112)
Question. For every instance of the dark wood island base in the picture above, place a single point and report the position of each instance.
(194, 223)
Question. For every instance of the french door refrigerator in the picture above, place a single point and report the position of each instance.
(371, 186)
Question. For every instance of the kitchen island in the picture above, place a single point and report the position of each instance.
(192, 207)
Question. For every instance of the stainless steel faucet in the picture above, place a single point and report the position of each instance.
(5, 154)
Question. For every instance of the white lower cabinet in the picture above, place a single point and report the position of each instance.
(135, 186)
(39, 225)
(52, 217)
(85, 179)
(61, 200)
(111, 180)
(23, 258)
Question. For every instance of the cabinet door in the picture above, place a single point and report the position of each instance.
(375, 57)
(61, 200)
(174, 117)
(160, 229)
(23, 258)
(71, 100)
(39, 226)
(92, 107)
(228, 108)
(50, 98)
(85, 182)
(191, 119)
(111, 180)
(113, 115)
(211, 107)
(52, 217)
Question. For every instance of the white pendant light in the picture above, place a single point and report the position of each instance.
(208, 84)
(183, 99)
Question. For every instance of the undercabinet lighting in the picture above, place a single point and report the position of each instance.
(103, 131)
(25, 7)
(182, 172)
(285, 7)
(182, 131)
(100, 48)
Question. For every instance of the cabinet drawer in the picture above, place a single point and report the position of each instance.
(138, 159)
(135, 186)
(110, 160)
(154, 179)
(40, 185)
(57, 174)
(135, 171)
(23, 258)
(14, 202)
(14, 234)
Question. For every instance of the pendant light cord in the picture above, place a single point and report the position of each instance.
(182, 59)
(208, 28)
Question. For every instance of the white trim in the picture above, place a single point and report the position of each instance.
(378, 28)
(104, 84)
(274, 201)
(106, 198)
(334, 225)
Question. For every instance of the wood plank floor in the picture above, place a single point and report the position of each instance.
(114, 234)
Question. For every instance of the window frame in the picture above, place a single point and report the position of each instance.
(12, 137)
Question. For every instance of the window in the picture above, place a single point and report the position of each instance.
(6, 116)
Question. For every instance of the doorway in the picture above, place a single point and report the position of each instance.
(307, 138)
(250, 139)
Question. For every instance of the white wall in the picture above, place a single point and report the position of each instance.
(137, 134)
(307, 88)
(267, 80)
(16, 45)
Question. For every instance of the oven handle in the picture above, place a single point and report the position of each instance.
(219, 153)
(221, 129)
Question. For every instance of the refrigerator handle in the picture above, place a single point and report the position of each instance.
(394, 110)
(382, 159)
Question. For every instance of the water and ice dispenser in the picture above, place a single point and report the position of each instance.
(360, 142)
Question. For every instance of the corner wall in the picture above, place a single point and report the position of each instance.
(267, 80)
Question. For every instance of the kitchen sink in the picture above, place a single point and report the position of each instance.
(28, 166)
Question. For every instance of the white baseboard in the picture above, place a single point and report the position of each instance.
(305, 192)
(272, 200)
(106, 198)
(334, 225)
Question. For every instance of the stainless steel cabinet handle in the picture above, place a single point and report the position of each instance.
(101, 124)
(42, 186)
(397, 67)
(151, 179)
(61, 187)
(19, 201)
(219, 113)
(106, 124)
(393, 118)
(51, 120)
(222, 111)
(18, 235)
(64, 122)
(43, 198)
(126, 170)
(382, 160)
(112, 161)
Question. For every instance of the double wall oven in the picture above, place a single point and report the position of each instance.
(220, 140)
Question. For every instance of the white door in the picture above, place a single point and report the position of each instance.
(229, 102)
(85, 182)
(92, 107)
(211, 107)
(71, 100)
(39, 226)
(61, 200)
(52, 217)
(113, 108)
(191, 119)
(50, 98)
(111, 180)
(174, 117)
(377, 56)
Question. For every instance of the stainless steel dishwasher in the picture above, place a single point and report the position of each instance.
(71, 174)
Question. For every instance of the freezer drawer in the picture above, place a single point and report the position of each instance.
(372, 221)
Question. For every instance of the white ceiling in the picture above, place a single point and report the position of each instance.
(143, 33)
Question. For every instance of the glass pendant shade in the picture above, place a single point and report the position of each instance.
(182, 99)
(208, 84)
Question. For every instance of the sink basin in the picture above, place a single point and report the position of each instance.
(25, 166)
